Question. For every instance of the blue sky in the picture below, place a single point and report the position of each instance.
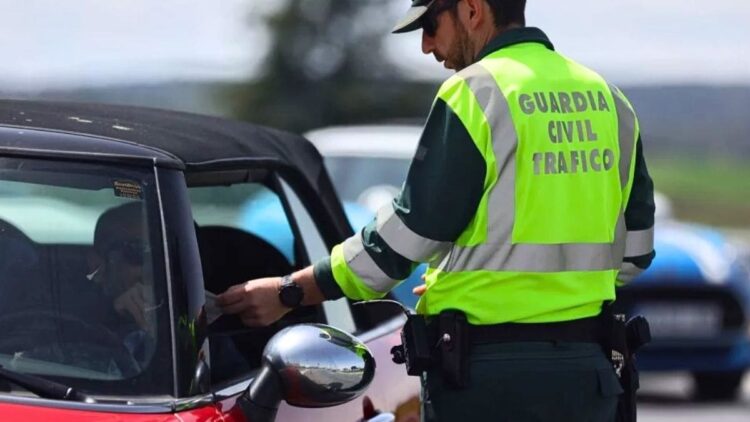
(53, 43)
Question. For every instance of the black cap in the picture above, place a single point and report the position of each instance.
(411, 21)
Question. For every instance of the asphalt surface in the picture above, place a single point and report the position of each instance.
(667, 397)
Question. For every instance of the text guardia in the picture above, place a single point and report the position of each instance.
(575, 149)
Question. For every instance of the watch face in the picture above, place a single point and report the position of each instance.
(290, 295)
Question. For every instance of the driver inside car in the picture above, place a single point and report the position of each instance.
(116, 266)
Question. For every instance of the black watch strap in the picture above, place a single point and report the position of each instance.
(290, 293)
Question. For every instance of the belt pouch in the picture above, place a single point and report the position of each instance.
(453, 337)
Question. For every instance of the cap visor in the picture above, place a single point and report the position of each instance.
(411, 21)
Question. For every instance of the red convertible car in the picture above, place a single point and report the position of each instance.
(118, 225)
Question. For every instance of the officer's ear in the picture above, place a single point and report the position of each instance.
(474, 14)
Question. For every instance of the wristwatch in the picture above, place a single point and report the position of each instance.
(290, 293)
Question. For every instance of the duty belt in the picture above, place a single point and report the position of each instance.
(586, 330)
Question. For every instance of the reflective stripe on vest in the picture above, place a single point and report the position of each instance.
(404, 241)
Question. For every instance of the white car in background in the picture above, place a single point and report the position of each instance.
(368, 164)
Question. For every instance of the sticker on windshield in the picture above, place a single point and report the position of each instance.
(128, 189)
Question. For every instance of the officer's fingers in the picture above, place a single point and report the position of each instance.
(419, 290)
(232, 295)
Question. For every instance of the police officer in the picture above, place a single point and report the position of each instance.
(530, 200)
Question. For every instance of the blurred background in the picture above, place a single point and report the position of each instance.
(305, 64)
(302, 64)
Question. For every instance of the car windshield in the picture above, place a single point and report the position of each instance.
(81, 299)
(369, 181)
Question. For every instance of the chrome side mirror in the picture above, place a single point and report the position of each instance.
(308, 365)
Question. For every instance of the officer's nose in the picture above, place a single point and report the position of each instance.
(428, 43)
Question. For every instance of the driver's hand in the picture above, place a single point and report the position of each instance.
(133, 302)
(256, 302)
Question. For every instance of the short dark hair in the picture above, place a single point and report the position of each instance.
(508, 12)
(114, 222)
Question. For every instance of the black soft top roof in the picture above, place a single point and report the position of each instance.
(191, 141)
(191, 138)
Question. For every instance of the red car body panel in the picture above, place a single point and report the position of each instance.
(16, 412)
(389, 391)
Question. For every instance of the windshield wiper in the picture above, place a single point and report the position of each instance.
(43, 387)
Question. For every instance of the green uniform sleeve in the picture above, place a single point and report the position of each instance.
(639, 213)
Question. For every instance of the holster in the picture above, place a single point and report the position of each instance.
(453, 340)
(622, 341)
(415, 349)
(442, 343)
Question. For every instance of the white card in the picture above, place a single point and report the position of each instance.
(213, 312)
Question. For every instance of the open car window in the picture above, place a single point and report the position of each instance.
(244, 231)
(82, 299)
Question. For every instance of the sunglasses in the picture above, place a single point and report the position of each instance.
(430, 18)
(133, 251)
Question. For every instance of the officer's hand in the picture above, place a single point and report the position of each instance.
(256, 302)
(133, 302)
(419, 290)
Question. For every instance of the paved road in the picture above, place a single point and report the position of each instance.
(666, 398)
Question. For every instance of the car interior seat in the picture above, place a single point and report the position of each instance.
(230, 256)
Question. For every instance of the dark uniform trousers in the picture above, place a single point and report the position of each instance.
(527, 382)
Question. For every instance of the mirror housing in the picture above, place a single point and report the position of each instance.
(308, 365)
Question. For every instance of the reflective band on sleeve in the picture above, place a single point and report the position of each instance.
(534, 258)
(628, 272)
(626, 134)
(405, 242)
(639, 243)
(360, 262)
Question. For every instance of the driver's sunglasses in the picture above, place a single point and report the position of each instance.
(430, 18)
(133, 251)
